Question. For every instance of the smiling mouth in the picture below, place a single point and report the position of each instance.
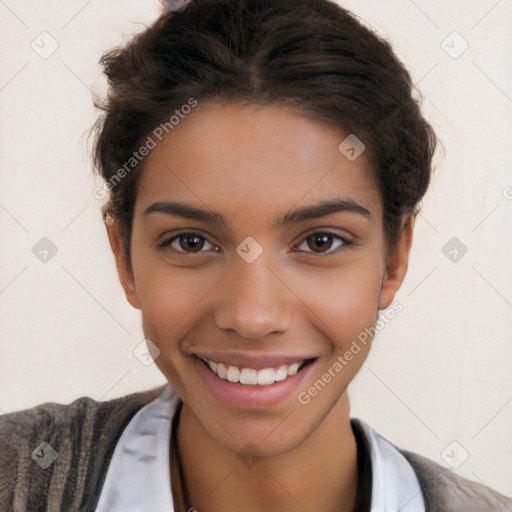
(252, 376)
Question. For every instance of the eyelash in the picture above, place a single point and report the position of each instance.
(166, 243)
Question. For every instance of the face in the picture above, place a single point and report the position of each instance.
(258, 254)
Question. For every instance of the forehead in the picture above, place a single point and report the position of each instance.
(245, 154)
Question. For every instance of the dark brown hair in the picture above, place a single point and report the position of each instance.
(312, 55)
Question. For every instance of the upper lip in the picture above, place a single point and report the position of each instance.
(251, 360)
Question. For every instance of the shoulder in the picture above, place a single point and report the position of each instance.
(59, 450)
(445, 490)
(83, 412)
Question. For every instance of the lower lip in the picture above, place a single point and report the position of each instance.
(252, 397)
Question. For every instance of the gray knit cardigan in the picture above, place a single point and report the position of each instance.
(84, 434)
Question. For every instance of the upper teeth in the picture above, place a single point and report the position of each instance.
(252, 377)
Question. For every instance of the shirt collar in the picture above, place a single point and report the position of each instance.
(138, 476)
(395, 486)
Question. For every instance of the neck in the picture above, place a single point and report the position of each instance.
(320, 473)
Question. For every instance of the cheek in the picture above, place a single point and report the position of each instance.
(346, 301)
(344, 309)
(166, 296)
(166, 293)
(168, 301)
(354, 308)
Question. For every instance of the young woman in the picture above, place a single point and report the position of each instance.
(264, 161)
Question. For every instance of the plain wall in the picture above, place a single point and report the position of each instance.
(439, 373)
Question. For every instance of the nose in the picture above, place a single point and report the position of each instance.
(253, 302)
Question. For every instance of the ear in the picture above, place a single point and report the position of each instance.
(124, 268)
(396, 266)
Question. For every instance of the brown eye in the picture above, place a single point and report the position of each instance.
(186, 243)
(189, 241)
(322, 243)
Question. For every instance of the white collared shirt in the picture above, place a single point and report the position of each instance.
(138, 476)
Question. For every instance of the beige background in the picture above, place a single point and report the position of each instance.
(439, 373)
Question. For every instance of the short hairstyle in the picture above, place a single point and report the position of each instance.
(311, 55)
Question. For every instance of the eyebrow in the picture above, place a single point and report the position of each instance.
(301, 214)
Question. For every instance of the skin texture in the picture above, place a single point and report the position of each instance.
(254, 164)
